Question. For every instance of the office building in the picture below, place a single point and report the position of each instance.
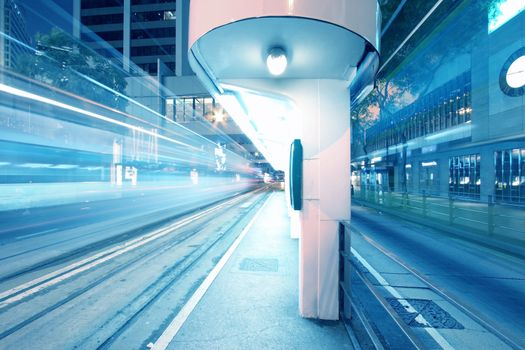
(450, 123)
(152, 35)
(15, 38)
(143, 31)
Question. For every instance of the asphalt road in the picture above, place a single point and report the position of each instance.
(123, 294)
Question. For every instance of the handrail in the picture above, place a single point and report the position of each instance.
(486, 218)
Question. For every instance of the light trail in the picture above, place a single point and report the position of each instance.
(34, 286)
(28, 95)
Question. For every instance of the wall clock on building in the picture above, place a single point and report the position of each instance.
(512, 75)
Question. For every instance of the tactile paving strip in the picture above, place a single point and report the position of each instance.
(433, 313)
(259, 265)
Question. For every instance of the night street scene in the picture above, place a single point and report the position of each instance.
(263, 174)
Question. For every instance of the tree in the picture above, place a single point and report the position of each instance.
(59, 60)
(411, 73)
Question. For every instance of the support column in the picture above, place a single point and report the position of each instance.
(126, 37)
(76, 19)
(325, 109)
(488, 175)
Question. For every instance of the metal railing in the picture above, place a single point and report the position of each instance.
(344, 270)
(487, 218)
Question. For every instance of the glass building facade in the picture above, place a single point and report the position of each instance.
(464, 175)
(143, 31)
(510, 175)
(447, 116)
(13, 25)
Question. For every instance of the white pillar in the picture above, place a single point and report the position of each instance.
(325, 109)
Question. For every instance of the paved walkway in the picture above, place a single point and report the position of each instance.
(253, 302)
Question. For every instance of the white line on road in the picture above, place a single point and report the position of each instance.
(171, 331)
(36, 234)
(443, 343)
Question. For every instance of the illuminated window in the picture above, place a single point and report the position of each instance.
(510, 175)
(169, 15)
(464, 176)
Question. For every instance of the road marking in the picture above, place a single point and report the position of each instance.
(442, 342)
(26, 289)
(36, 234)
(486, 324)
(176, 324)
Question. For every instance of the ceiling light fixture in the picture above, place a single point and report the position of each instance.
(276, 61)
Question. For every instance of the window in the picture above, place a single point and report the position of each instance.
(464, 176)
(150, 68)
(147, 2)
(103, 19)
(160, 15)
(108, 36)
(194, 108)
(510, 175)
(153, 50)
(169, 15)
(408, 178)
(89, 4)
(429, 177)
(153, 33)
(170, 65)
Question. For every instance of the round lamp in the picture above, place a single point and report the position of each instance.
(276, 61)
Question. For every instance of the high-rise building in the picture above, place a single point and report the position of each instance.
(153, 35)
(14, 36)
(143, 31)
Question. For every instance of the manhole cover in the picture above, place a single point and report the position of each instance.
(259, 264)
(432, 312)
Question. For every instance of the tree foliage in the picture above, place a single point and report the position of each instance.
(62, 62)
(412, 71)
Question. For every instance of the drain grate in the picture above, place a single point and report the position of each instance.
(432, 312)
(259, 265)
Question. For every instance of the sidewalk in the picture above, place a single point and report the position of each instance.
(253, 302)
